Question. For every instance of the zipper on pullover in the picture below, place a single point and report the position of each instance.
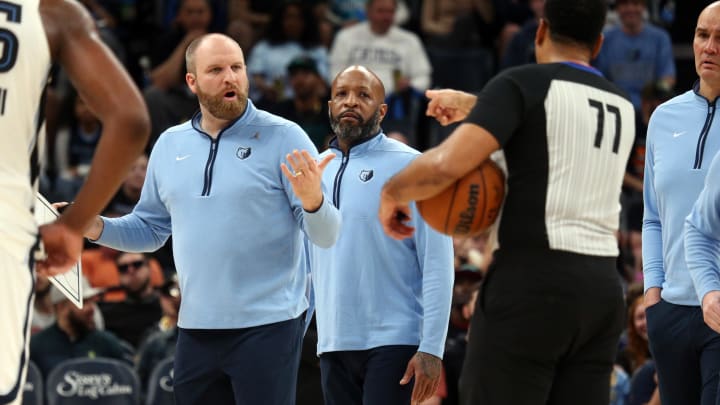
(343, 165)
(214, 146)
(700, 149)
(210, 165)
(338, 180)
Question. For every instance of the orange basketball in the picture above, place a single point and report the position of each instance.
(470, 205)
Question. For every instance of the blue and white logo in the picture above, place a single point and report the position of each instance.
(366, 175)
(243, 153)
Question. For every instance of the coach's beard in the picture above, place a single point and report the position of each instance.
(221, 108)
(352, 134)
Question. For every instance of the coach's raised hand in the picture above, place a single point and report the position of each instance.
(305, 176)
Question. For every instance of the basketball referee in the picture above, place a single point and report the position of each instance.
(551, 309)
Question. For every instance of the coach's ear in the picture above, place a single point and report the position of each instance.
(191, 81)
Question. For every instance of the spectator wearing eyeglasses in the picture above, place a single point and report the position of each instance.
(132, 318)
(98, 265)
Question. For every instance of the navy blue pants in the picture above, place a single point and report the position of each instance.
(369, 377)
(686, 353)
(257, 365)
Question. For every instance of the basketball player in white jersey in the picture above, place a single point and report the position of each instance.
(34, 34)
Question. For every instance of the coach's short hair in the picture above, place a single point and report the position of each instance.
(576, 21)
(190, 53)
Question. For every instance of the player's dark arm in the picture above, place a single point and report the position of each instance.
(433, 171)
(108, 90)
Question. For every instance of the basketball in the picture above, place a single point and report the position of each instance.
(470, 205)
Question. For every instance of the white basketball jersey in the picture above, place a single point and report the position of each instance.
(24, 67)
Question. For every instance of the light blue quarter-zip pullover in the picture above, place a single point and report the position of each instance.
(236, 224)
(372, 290)
(683, 136)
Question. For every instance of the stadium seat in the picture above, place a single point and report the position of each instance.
(128, 350)
(160, 385)
(91, 381)
(33, 391)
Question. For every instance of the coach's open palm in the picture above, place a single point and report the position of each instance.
(305, 176)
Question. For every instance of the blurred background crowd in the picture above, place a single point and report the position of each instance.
(293, 49)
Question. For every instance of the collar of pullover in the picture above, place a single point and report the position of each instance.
(696, 90)
(362, 147)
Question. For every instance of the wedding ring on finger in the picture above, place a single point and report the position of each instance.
(298, 173)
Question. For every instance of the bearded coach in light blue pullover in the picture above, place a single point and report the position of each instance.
(237, 213)
(683, 136)
(382, 305)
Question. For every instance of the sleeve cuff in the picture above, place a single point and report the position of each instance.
(318, 208)
(431, 350)
(101, 232)
(703, 291)
(652, 282)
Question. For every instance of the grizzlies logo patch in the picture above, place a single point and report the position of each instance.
(366, 175)
(243, 153)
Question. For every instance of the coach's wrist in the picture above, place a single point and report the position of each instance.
(96, 228)
(313, 205)
(652, 296)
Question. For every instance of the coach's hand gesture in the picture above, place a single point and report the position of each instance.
(305, 176)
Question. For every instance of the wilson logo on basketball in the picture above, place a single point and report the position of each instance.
(467, 217)
(470, 205)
